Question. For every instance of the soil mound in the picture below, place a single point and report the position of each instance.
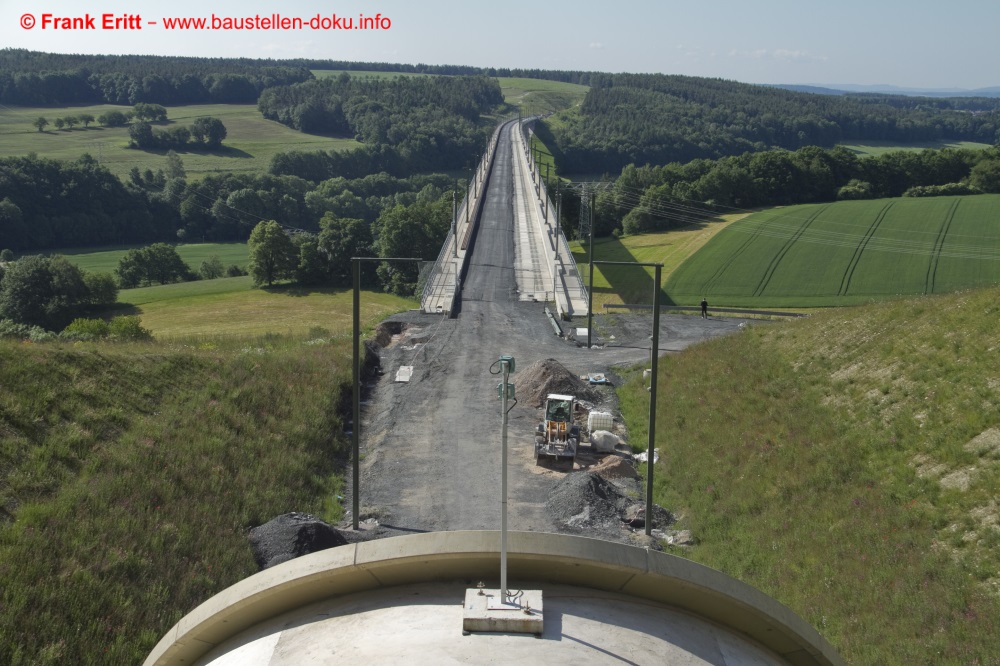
(550, 376)
(615, 467)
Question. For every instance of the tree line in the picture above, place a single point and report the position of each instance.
(646, 198)
(659, 119)
(32, 78)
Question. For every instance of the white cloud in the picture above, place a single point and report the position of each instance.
(596, 45)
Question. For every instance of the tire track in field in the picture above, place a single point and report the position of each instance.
(932, 267)
(773, 266)
(845, 282)
(710, 283)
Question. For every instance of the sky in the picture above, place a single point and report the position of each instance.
(912, 44)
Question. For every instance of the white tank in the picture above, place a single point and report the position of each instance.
(600, 421)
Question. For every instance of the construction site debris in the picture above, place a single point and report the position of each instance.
(603, 441)
(615, 467)
(541, 378)
(600, 421)
(642, 457)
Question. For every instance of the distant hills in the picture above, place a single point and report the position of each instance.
(853, 88)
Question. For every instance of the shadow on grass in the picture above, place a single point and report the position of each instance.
(191, 149)
(632, 284)
(300, 290)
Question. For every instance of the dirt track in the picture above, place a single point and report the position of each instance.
(431, 447)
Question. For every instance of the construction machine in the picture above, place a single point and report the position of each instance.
(556, 437)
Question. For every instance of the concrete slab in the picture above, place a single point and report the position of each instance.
(486, 610)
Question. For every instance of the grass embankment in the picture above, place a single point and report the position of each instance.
(249, 146)
(847, 465)
(129, 476)
(626, 284)
(847, 253)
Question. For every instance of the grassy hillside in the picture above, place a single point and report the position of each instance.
(848, 465)
(134, 473)
(249, 146)
(537, 96)
(847, 252)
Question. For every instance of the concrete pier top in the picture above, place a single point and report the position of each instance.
(402, 598)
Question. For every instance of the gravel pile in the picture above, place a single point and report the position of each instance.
(588, 501)
(541, 378)
(291, 535)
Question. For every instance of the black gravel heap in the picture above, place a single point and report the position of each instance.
(291, 535)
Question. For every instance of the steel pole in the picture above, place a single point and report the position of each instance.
(356, 428)
(454, 224)
(650, 448)
(503, 483)
(590, 291)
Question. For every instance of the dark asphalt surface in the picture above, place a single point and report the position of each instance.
(431, 447)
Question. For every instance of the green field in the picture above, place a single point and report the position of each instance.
(106, 260)
(847, 253)
(249, 146)
(232, 308)
(869, 148)
(624, 284)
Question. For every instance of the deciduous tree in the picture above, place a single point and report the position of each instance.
(272, 254)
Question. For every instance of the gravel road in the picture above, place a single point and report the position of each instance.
(431, 447)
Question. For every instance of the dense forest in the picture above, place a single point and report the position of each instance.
(46, 203)
(428, 122)
(658, 119)
(31, 78)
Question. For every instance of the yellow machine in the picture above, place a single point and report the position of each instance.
(556, 437)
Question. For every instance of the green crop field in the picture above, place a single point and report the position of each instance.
(106, 259)
(249, 146)
(624, 284)
(847, 253)
(869, 148)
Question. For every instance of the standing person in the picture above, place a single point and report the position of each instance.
(704, 308)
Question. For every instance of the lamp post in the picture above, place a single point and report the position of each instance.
(356, 364)
(654, 363)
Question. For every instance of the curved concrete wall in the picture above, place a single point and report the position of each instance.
(532, 556)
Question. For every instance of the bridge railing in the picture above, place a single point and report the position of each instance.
(572, 279)
(443, 281)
